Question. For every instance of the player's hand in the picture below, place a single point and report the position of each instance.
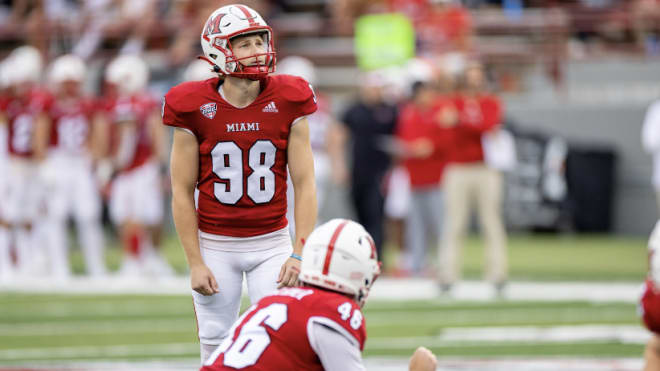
(423, 360)
(289, 273)
(421, 148)
(202, 280)
(447, 118)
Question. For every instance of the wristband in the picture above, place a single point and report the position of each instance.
(296, 256)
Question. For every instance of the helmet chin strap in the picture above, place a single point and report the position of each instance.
(215, 67)
(361, 297)
(249, 72)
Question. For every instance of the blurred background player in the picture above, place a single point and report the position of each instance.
(25, 114)
(76, 139)
(319, 122)
(6, 264)
(650, 302)
(198, 70)
(368, 125)
(136, 196)
(234, 138)
(651, 144)
(319, 325)
(424, 133)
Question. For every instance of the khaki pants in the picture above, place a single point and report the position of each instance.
(469, 186)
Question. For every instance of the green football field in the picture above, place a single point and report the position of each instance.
(66, 327)
(531, 257)
(69, 328)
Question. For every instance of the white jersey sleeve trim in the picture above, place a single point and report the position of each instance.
(336, 351)
(333, 325)
(298, 120)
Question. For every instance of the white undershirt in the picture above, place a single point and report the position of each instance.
(336, 351)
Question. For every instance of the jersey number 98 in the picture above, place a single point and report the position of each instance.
(228, 166)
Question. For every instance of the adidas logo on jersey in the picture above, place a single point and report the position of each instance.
(270, 107)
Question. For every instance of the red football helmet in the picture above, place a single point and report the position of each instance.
(226, 23)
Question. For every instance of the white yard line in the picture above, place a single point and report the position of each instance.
(384, 289)
(519, 335)
(372, 364)
(449, 337)
(138, 326)
(142, 350)
(520, 364)
(382, 364)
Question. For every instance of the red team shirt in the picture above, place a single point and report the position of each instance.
(273, 334)
(21, 116)
(138, 109)
(71, 125)
(242, 151)
(476, 116)
(416, 123)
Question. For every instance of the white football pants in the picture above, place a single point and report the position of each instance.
(260, 258)
(73, 191)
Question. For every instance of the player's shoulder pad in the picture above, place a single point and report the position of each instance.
(181, 98)
(293, 88)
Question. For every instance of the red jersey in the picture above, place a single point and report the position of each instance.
(136, 109)
(71, 125)
(242, 151)
(21, 118)
(650, 307)
(273, 334)
(476, 115)
(415, 124)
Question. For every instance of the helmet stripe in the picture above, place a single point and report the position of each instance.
(331, 246)
(373, 247)
(249, 16)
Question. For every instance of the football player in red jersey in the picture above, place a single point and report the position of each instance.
(235, 136)
(318, 326)
(72, 189)
(6, 266)
(24, 113)
(650, 302)
(136, 194)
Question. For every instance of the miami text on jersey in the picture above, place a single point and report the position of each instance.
(243, 126)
